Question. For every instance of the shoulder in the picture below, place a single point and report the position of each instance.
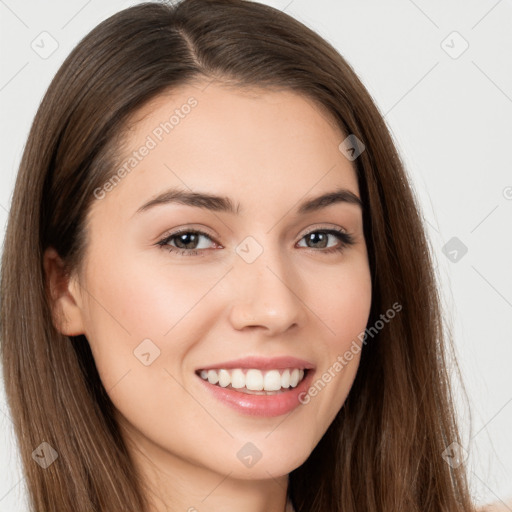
(499, 506)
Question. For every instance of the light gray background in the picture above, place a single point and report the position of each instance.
(450, 115)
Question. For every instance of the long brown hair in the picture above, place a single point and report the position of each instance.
(383, 452)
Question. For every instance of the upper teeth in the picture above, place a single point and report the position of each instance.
(253, 379)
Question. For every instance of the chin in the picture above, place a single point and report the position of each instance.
(273, 463)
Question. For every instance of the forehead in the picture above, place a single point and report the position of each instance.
(252, 143)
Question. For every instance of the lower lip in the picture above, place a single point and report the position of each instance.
(261, 405)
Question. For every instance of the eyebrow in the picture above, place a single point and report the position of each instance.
(225, 204)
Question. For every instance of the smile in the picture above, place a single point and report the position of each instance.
(253, 380)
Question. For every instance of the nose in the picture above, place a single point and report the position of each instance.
(265, 294)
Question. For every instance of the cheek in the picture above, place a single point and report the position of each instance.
(140, 326)
(343, 303)
(142, 306)
(138, 301)
(343, 308)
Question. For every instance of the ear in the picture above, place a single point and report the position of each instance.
(63, 294)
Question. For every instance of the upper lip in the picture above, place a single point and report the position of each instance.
(262, 363)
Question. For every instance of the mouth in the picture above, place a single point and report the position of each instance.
(258, 386)
(254, 381)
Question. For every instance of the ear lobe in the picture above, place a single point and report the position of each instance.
(65, 303)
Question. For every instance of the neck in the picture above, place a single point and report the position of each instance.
(172, 483)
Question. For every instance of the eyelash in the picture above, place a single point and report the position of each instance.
(345, 238)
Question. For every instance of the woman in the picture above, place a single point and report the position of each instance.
(181, 341)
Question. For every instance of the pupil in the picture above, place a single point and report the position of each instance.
(183, 237)
(318, 236)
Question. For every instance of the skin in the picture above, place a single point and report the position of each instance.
(273, 151)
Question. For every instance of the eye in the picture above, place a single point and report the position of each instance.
(190, 242)
(321, 237)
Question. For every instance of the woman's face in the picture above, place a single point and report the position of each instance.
(257, 283)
